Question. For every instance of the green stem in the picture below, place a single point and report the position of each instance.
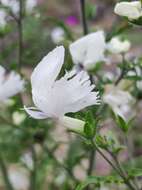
(91, 162)
(123, 71)
(83, 15)
(33, 185)
(68, 170)
(5, 174)
(123, 171)
(117, 169)
(20, 31)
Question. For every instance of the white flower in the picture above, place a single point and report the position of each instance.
(57, 35)
(30, 5)
(132, 10)
(10, 84)
(12, 4)
(18, 118)
(117, 46)
(89, 49)
(3, 16)
(19, 179)
(54, 98)
(27, 160)
(119, 100)
(137, 72)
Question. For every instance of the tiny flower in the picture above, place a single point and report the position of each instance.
(89, 49)
(132, 10)
(57, 35)
(54, 97)
(18, 118)
(117, 46)
(10, 84)
(71, 21)
(119, 100)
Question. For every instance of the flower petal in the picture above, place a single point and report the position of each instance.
(45, 74)
(34, 113)
(132, 10)
(72, 123)
(71, 95)
(89, 49)
(10, 84)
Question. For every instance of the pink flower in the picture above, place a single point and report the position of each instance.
(71, 21)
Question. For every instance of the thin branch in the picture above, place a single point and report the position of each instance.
(33, 185)
(20, 33)
(5, 174)
(83, 15)
(118, 171)
(51, 155)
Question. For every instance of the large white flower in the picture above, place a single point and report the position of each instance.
(118, 46)
(89, 49)
(10, 84)
(132, 10)
(54, 98)
(119, 100)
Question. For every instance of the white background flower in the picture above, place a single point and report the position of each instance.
(118, 46)
(10, 84)
(132, 10)
(57, 35)
(89, 49)
(54, 98)
(14, 5)
(30, 5)
(18, 178)
(119, 100)
(3, 16)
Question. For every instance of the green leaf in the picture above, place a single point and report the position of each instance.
(88, 130)
(135, 172)
(98, 180)
(122, 124)
(135, 78)
(137, 22)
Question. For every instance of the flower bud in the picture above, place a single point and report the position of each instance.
(72, 124)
